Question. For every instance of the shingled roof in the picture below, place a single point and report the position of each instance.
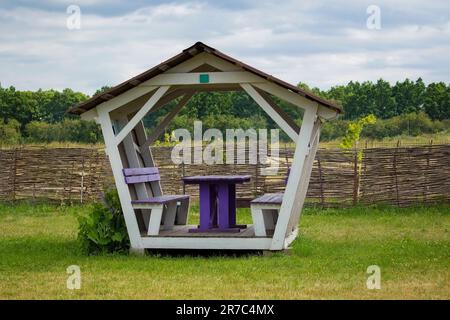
(186, 54)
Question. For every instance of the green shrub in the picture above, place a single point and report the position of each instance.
(103, 230)
(9, 132)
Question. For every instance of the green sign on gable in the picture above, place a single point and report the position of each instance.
(204, 78)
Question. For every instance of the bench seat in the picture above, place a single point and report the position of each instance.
(265, 211)
(166, 209)
(161, 199)
(269, 198)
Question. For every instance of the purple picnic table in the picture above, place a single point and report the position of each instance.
(217, 202)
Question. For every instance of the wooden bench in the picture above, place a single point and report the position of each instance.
(265, 211)
(170, 209)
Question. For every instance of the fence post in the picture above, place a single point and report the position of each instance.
(355, 178)
(427, 171)
(82, 179)
(14, 173)
(395, 173)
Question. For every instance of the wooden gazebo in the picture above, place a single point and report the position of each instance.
(120, 111)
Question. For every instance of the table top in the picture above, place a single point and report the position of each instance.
(216, 179)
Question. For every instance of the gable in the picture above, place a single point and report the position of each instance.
(185, 62)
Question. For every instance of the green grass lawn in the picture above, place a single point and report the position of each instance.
(328, 260)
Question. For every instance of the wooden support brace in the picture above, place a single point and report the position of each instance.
(279, 119)
(140, 114)
(161, 126)
(280, 111)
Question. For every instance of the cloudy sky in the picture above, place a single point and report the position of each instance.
(321, 43)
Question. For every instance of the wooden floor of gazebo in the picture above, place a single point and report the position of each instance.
(183, 231)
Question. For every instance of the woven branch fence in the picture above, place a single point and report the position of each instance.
(399, 176)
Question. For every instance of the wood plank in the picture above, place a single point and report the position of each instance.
(269, 198)
(229, 243)
(277, 117)
(164, 123)
(140, 171)
(216, 178)
(193, 78)
(183, 231)
(140, 114)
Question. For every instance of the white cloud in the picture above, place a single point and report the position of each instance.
(304, 41)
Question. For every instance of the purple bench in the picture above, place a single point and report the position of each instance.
(170, 209)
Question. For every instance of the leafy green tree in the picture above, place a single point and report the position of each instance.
(383, 105)
(437, 101)
(354, 130)
(409, 96)
(57, 104)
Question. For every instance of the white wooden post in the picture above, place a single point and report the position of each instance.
(306, 175)
(291, 198)
(112, 151)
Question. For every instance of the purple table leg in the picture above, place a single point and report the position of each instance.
(213, 214)
(207, 199)
(224, 204)
(232, 204)
(218, 208)
(232, 207)
(226, 208)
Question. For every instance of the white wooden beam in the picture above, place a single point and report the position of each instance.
(228, 243)
(190, 64)
(221, 64)
(270, 111)
(124, 98)
(296, 99)
(280, 111)
(122, 188)
(140, 114)
(193, 78)
(161, 126)
(204, 58)
(291, 193)
(135, 105)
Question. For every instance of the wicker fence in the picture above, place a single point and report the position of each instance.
(399, 176)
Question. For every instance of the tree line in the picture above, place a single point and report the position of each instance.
(407, 107)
